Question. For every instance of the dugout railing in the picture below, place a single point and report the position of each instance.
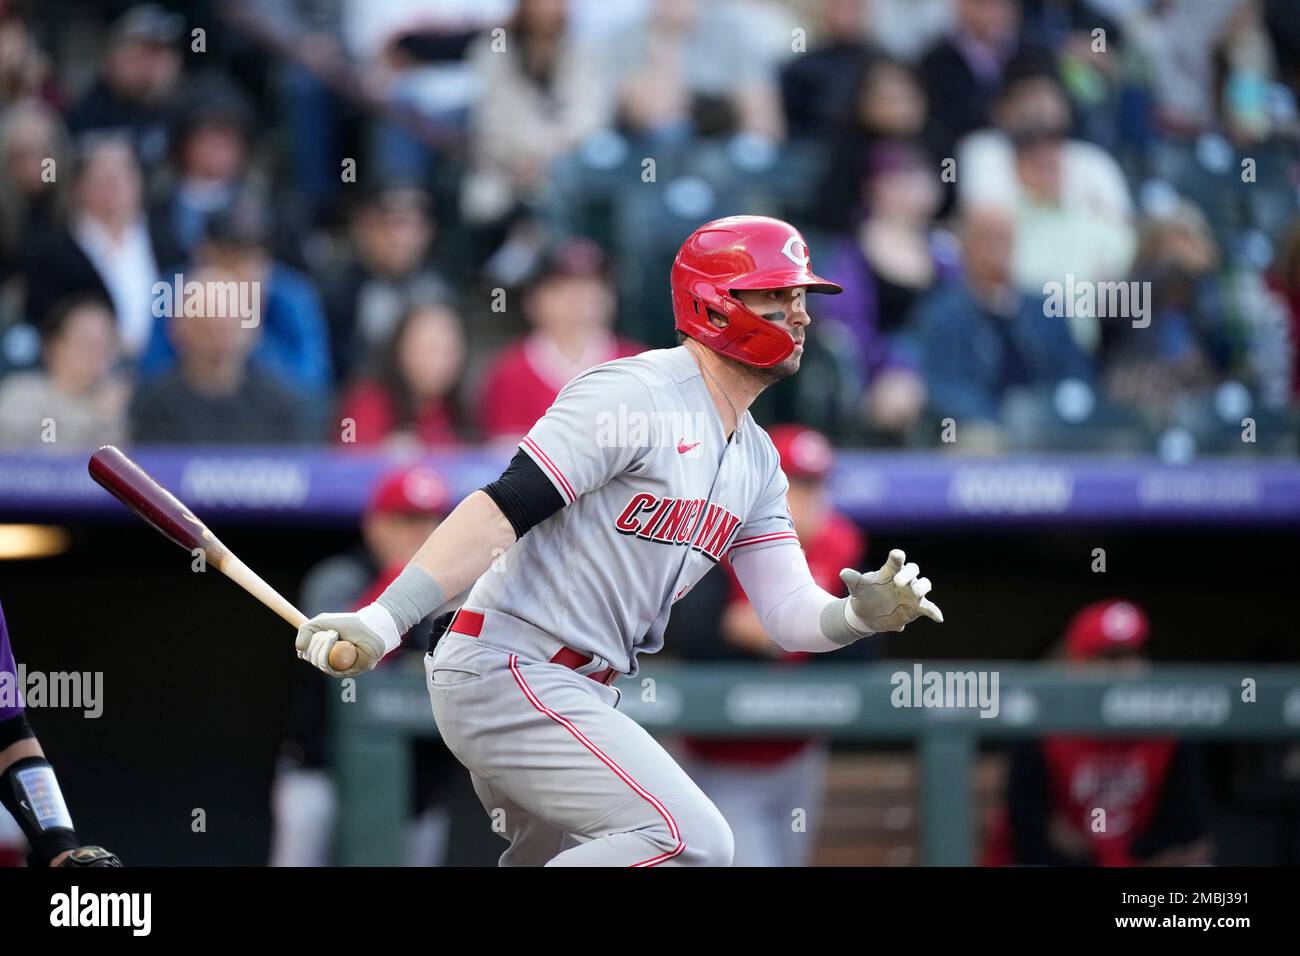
(377, 717)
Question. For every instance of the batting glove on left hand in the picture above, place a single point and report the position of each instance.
(371, 629)
(891, 598)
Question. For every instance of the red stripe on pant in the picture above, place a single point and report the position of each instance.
(608, 762)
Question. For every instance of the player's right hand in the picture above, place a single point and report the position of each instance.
(371, 629)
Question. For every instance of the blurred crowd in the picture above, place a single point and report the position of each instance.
(448, 208)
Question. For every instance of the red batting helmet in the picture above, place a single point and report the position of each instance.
(740, 252)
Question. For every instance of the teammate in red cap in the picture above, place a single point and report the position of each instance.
(405, 506)
(760, 784)
(1104, 801)
(1108, 629)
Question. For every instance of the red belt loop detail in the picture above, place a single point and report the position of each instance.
(466, 622)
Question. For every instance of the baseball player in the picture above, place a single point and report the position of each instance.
(644, 473)
(28, 788)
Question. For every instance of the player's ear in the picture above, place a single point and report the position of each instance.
(718, 320)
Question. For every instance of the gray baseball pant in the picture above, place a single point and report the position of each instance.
(565, 777)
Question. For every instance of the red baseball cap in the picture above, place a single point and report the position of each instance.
(411, 490)
(1106, 626)
(804, 453)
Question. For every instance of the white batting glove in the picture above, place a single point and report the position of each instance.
(888, 599)
(371, 629)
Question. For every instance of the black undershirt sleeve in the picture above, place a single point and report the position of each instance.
(14, 729)
(524, 494)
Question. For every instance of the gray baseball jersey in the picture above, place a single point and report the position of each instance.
(655, 495)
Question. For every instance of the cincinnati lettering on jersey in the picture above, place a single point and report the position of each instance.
(705, 526)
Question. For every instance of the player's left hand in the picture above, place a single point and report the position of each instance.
(90, 856)
(891, 598)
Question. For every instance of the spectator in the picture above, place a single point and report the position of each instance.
(1284, 32)
(963, 71)
(1211, 64)
(77, 401)
(407, 401)
(1285, 284)
(213, 395)
(694, 70)
(293, 346)
(33, 147)
(979, 337)
(1187, 347)
(817, 87)
(907, 28)
(1071, 203)
(537, 101)
(140, 76)
(391, 231)
(315, 116)
(405, 507)
(413, 58)
(25, 71)
(210, 162)
(571, 307)
(1087, 49)
(107, 247)
(892, 260)
(889, 107)
(1105, 801)
(757, 783)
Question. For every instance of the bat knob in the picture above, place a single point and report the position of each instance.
(343, 655)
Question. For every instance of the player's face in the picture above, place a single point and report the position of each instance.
(787, 308)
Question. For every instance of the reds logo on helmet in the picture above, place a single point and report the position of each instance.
(796, 251)
(738, 253)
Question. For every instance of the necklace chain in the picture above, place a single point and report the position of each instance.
(735, 416)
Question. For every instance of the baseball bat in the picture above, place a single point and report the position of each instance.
(130, 484)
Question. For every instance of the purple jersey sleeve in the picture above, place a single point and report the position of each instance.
(10, 705)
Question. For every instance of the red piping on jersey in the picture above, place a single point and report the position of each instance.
(608, 762)
(759, 539)
(551, 467)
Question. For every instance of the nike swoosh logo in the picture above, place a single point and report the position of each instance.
(683, 448)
